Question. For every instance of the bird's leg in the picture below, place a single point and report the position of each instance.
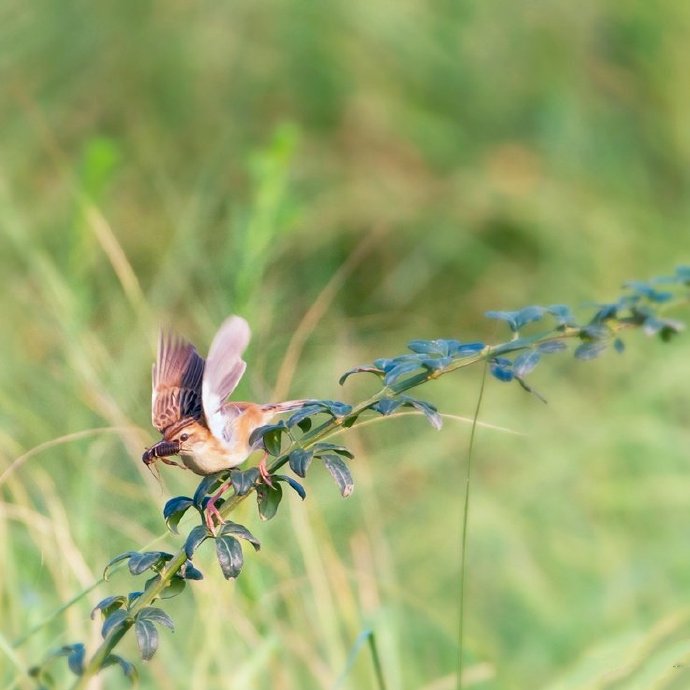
(263, 471)
(211, 512)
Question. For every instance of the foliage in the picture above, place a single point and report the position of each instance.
(302, 438)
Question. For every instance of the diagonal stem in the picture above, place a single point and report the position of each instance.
(334, 425)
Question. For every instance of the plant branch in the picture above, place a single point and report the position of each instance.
(431, 360)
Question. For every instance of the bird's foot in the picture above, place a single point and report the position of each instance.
(210, 515)
(211, 512)
(263, 471)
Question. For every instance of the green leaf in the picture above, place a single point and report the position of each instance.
(436, 363)
(299, 460)
(75, 659)
(386, 406)
(242, 482)
(174, 509)
(432, 347)
(269, 436)
(511, 346)
(301, 417)
(528, 314)
(465, 349)
(648, 291)
(298, 488)
(335, 408)
(176, 585)
(525, 362)
(113, 621)
(147, 638)
(552, 346)
(141, 562)
(590, 349)
(206, 486)
(517, 319)
(108, 605)
(562, 314)
(340, 472)
(365, 368)
(510, 317)
(399, 370)
(666, 328)
(268, 500)
(117, 559)
(606, 312)
(229, 554)
(502, 369)
(304, 424)
(427, 409)
(189, 572)
(157, 616)
(351, 419)
(75, 654)
(127, 668)
(595, 331)
(133, 596)
(195, 538)
(333, 447)
(150, 583)
(273, 441)
(241, 531)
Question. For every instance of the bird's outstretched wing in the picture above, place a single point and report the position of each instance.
(224, 369)
(177, 380)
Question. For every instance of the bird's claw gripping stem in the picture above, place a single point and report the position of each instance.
(212, 513)
(263, 471)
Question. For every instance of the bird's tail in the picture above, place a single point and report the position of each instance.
(287, 405)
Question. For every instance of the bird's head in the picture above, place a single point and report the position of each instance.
(184, 438)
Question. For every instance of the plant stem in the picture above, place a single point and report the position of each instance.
(151, 593)
(465, 519)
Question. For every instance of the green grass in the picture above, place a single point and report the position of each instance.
(182, 162)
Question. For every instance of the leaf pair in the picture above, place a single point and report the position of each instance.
(144, 621)
(76, 655)
(139, 562)
(517, 319)
(268, 498)
(229, 550)
(387, 406)
(428, 356)
(146, 629)
(331, 454)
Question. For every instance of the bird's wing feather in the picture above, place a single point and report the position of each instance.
(177, 382)
(224, 369)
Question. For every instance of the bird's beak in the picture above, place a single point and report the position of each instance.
(162, 449)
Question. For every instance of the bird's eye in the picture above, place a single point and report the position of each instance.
(184, 437)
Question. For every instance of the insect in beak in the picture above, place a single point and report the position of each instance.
(162, 449)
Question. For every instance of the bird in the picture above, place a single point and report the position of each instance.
(191, 410)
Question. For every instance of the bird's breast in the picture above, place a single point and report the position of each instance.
(212, 456)
(215, 454)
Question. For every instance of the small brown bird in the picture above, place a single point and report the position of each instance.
(189, 407)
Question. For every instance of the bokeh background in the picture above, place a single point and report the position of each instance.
(349, 176)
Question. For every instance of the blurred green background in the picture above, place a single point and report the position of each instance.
(392, 170)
